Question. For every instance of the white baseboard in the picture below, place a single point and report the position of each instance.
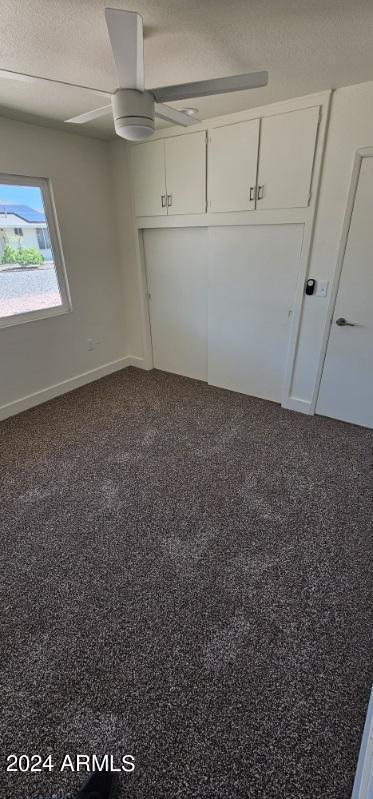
(296, 404)
(363, 785)
(140, 363)
(23, 404)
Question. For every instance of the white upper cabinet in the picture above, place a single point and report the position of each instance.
(232, 166)
(186, 173)
(287, 150)
(258, 164)
(169, 175)
(148, 178)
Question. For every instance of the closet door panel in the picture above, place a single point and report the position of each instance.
(176, 267)
(253, 272)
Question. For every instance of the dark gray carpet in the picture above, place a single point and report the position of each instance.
(187, 577)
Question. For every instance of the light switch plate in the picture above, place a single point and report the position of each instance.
(322, 288)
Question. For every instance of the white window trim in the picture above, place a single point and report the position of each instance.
(45, 186)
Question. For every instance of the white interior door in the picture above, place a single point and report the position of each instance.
(148, 178)
(253, 274)
(186, 173)
(346, 390)
(287, 149)
(232, 165)
(176, 265)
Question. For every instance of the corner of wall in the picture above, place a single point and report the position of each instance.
(135, 307)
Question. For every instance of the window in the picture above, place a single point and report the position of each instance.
(33, 281)
(43, 238)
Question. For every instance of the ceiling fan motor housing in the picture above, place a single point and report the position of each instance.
(133, 113)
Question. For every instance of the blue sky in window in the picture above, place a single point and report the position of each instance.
(25, 195)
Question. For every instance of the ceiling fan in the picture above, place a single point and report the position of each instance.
(132, 106)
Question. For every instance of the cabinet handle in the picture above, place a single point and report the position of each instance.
(260, 192)
(169, 200)
(163, 200)
(252, 189)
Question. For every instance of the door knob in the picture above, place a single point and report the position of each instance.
(342, 322)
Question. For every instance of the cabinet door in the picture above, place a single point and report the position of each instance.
(186, 173)
(287, 149)
(148, 178)
(232, 164)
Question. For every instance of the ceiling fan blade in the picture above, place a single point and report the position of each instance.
(204, 88)
(127, 41)
(24, 77)
(173, 115)
(89, 115)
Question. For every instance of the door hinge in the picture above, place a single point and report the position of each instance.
(309, 196)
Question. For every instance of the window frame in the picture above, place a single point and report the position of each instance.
(45, 186)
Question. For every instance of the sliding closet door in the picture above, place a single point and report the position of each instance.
(253, 274)
(176, 267)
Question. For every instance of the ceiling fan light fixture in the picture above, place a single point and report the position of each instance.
(133, 113)
(133, 107)
(134, 129)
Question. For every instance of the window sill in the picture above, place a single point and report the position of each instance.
(34, 316)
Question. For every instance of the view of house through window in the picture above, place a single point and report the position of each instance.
(28, 275)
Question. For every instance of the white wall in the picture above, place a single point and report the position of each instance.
(38, 354)
(30, 239)
(351, 127)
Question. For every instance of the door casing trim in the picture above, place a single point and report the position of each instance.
(362, 152)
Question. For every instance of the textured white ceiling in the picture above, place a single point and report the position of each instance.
(306, 45)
